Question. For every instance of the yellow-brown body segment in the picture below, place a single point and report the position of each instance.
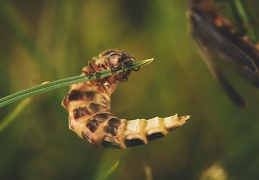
(88, 105)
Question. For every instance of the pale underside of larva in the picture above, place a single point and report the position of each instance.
(88, 105)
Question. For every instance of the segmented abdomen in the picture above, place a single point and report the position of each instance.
(88, 105)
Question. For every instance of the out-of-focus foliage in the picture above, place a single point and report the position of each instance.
(48, 40)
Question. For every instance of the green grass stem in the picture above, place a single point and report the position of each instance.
(44, 87)
(107, 173)
(12, 115)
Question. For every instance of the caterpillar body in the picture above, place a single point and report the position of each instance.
(88, 105)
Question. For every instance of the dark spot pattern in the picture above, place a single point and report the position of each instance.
(101, 117)
(78, 95)
(90, 103)
(133, 142)
(93, 125)
(113, 125)
(94, 108)
(80, 112)
(108, 144)
(154, 136)
(111, 130)
(90, 95)
(114, 122)
(74, 95)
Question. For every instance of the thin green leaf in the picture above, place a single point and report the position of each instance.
(44, 87)
(107, 173)
(244, 16)
(13, 114)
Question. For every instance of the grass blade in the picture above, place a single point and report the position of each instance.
(13, 114)
(106, 174)
(44, 87)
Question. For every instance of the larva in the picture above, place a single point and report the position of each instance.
(88, 105)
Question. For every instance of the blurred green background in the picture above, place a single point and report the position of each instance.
(48, 40)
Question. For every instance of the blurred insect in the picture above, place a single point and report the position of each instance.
(88, 105)
(217, 39)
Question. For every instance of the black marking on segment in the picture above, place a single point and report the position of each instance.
(80, 112)
(108, 144)
(114, 122)
(90, 95)
(110, 129)
(154, 136)
(134, 142)
(113, 125)
(78, 95)
(101, 117)
(74, 95)
(93, 125)
(95, 107)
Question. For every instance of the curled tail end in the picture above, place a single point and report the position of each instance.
(140, 131)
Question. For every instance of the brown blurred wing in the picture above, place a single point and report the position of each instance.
(210, 40)
(228, 89)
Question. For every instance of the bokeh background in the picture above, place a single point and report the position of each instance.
(47, 40)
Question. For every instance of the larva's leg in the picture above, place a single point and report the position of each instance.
(136, 69)
(90, 69)
(92, 66)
